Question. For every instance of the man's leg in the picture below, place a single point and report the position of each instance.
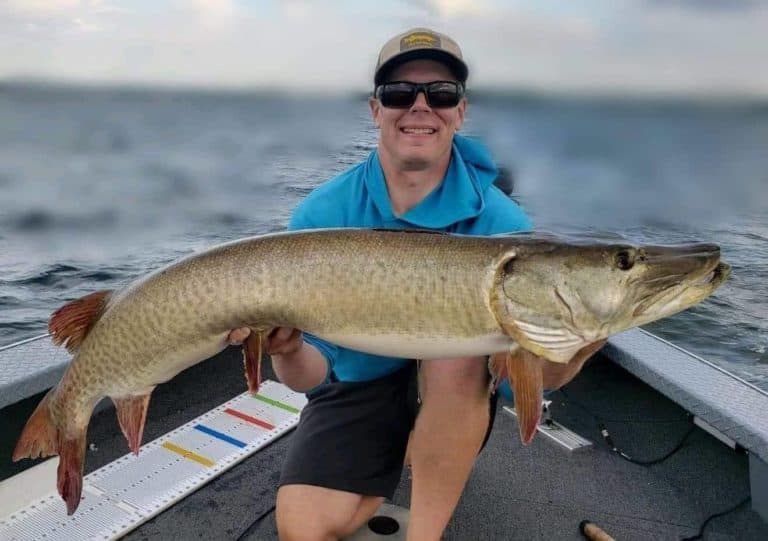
(312, 513)
(350, 441)
(449, 431)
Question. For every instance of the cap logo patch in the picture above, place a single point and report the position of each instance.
(419, 40)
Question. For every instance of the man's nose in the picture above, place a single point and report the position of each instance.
(421, 101)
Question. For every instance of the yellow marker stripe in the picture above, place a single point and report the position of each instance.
(188, 454)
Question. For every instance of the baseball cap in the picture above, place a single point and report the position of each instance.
(416, 44)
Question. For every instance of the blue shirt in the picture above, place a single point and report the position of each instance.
(466, 202)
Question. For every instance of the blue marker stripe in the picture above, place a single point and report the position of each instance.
(220, 435)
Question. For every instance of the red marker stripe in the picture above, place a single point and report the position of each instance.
(248, 418)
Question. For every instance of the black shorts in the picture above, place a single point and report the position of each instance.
(352, 436)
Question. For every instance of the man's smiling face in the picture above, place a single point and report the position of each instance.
(419, 137)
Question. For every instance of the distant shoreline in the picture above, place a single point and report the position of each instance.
(520, 95)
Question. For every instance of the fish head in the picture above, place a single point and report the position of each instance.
(554, 297)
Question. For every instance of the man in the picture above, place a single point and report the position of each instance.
(347, 453)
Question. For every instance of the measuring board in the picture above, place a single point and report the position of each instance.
(131, 490)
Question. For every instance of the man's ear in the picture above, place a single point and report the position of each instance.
(375, 106)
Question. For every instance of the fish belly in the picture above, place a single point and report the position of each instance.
(413, 347)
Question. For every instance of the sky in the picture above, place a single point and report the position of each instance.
(678, 47)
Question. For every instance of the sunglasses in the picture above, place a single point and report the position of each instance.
(402, 94)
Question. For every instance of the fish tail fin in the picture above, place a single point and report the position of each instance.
(525, 376)
(70, 472)
(253, 349)
(40, 437)
(132, 414)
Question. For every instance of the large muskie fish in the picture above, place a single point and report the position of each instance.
(531, 298)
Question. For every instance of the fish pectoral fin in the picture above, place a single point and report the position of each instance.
(69, 325)
(253, 350)
(524, 370)
(529, 374)
(132, 414)
(70, 472)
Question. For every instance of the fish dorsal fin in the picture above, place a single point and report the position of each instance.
(69, 325)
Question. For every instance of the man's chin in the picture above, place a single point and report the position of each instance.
(417, 159)
(413, 163)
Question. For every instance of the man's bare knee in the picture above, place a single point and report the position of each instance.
(310, 513)
(366, 509)
(460, 379)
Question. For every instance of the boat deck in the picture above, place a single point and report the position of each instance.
(539, 491)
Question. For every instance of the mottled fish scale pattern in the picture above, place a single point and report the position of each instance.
(360, 286)
(410, 294)
(435, 286)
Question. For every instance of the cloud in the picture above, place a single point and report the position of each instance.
(86, 26)
(709, 5)
(619, 46)
(214, 13)
(56, 17)
(446, 9)
(42, 7)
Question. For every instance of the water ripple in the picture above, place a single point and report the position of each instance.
(40, 221)
(101, 187)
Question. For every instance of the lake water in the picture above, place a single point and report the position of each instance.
(100, 186)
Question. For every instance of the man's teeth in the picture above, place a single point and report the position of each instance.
(419, 131)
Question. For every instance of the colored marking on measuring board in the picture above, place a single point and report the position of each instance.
(276, 403)
(200, 459)
(116, 494)
(220, 435)
(247, 418)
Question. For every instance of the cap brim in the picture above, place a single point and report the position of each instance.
(457, 66)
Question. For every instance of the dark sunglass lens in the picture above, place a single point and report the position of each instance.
(444, 94)
(397, 95)
(401, 95)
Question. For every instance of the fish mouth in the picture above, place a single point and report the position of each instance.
(715, 277)
(695, 289)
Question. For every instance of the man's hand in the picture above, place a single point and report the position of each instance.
(284, 341)
(237, 336)
(279, 341)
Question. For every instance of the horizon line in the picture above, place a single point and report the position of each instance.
(510, 91)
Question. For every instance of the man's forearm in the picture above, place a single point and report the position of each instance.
(301, 370)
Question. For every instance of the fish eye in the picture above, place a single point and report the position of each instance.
(624, 260)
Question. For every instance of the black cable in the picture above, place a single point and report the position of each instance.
(255, 523)
(622, 454)
(609, 441)
(607, 437)
(700, 535)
